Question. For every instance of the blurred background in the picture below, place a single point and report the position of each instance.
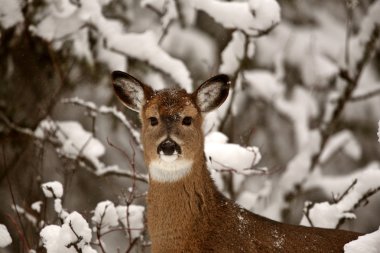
(314, 72)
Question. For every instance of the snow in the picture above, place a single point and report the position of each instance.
(5, 237)
(29, 217)
(142, 46)
(145, 48)
(368, 243)
(216, 137)
(36, 206)
(75, 230)
(378, 132)
(105, 215)
(357, 44)
(10, 13)
(250, 17)
(135, 220)
(52, 189)
(228, 156)
(233, 54)
(79, 141)
(328, 214)
(75, 140)
(263, 84)
(342, 140)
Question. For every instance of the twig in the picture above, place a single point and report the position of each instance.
(306, 211)
(75, 244)
(346, 191)
(14, 203)
(352, 82)
(98, 228)
(106, 111)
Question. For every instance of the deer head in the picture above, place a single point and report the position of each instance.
(171, 119)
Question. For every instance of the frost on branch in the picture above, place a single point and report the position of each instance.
(105, 216)
(132, 218)
(73, 236)
(5, 238)
(329, 215)
(368, 243)
(253, 17)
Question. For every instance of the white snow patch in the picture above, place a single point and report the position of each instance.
(52, 189)
(56, 239)
(10, 13)
(233, 54)
(368, 243)
(135, 218)
(216, 137)
(251, 17)
(328, 214)
(344, 140)
(105, 215)
(36, 206)
(229, 156)
(5, 237)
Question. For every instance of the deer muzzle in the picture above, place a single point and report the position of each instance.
(168, 150)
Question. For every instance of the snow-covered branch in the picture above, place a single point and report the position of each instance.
(332, 215)
(106, 111)
(69, 19)
(254, 17)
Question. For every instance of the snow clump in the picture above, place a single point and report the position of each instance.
(5, 238)
(52, 189)
(74, 233)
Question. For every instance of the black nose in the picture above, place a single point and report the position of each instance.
(168, 147)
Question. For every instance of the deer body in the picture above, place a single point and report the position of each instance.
(186, 213)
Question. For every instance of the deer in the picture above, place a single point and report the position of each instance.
(185, 210)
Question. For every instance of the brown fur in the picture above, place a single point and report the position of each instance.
(191, 215)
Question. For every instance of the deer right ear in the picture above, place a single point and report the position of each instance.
(130, 91)
(212, 93)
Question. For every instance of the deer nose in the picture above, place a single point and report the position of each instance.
(168, 147)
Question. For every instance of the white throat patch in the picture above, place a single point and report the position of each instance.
(168, 170)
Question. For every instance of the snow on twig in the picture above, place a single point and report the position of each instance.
(49, 130)
(356, 188)
(106, 110)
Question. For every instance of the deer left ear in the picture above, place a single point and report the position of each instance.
(212, 93)
(130, 90)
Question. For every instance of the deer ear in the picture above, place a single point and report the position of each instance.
(130, 91)
(212, 93)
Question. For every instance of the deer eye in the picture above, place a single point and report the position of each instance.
(153, 121)
(187, 121)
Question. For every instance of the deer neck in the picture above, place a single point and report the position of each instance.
(174, 207)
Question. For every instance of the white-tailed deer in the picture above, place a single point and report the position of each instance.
(186, 212)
